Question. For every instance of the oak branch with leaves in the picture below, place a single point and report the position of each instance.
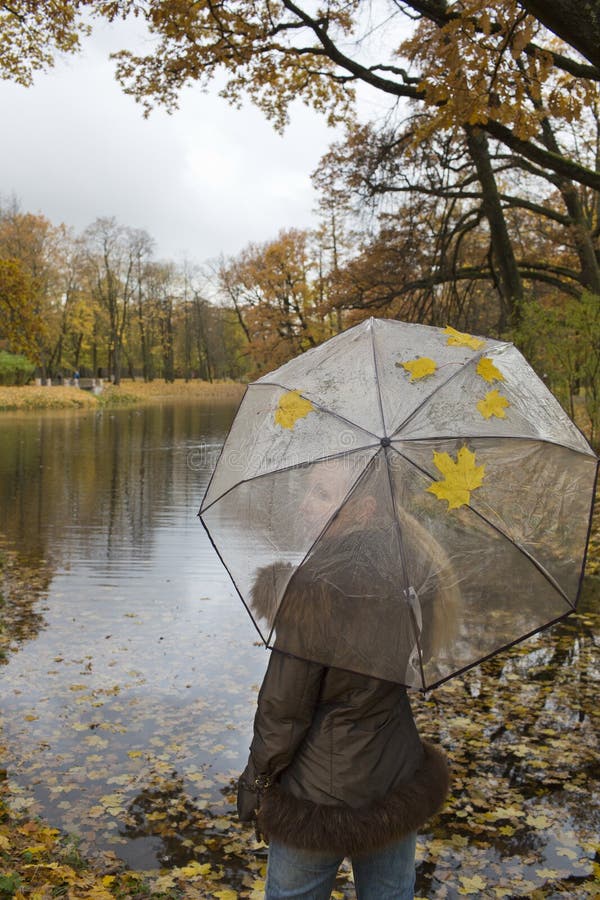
(473, 64)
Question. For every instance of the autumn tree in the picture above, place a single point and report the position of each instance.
(424, 238)
(273, 288)
(32, 241)
(33, 31)
(113, 252)
(464, 59)
(21, 329)
(210, 342)
(493, 73)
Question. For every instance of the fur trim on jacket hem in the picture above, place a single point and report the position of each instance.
(351, 832)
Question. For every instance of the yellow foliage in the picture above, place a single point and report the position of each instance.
(292, 407)
(494, 404)
(460, 477)
(473, 885)
(488, 371)
(194, 869)
(480, 65)
(460, 339)
(420, 368)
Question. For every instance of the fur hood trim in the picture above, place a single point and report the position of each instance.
(342, 829)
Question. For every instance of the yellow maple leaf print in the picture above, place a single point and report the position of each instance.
(488, 371)
(292, 407)
(419, 368)
(494, 404)
(460, 477)
(459, 339)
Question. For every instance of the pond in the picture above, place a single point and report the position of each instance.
(135, 683)
(127, 707)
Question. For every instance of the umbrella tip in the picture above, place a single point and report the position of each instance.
(385, 442)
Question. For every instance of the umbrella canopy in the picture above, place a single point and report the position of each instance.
(402, 501)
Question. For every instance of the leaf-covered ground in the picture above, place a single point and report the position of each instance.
(521, 731)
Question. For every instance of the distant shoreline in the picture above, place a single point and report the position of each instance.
(31, 398)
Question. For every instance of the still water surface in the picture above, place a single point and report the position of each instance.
(130, 705)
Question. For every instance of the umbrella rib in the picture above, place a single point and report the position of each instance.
(299, 465)
(404, 569)
(319, 406)
(495, 437)
(377, 384)
(543, 571)
(438, 388)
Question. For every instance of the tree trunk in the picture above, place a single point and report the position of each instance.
(582, 235)
(575, 21)
(510, 286)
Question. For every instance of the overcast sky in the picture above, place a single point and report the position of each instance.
(204, 181)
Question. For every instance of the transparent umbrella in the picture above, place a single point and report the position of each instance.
(402, 501)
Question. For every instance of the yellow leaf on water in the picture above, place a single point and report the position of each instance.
(494, 404)
(193, 869)
(94, 812)
(547, 874)
(225, 895)
(459, 339)
(292, 407)
(419, 368)
(505, 812)
(460, 477)
(566, 851)
(134, 754)
(472, 885)
(488, 371)
(538, 821)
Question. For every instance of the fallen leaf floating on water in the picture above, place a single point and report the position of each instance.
(488, 371)
(472, 885)
(419, 368)
(460, 339)
(494, 404)
(292, 407)
(460, 477)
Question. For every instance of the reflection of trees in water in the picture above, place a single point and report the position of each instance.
(106, 474)
(23, 583)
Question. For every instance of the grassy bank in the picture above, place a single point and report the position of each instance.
(129, 393)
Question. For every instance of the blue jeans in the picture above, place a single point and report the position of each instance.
(387, 874)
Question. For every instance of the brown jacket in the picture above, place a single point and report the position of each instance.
(339, 752)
